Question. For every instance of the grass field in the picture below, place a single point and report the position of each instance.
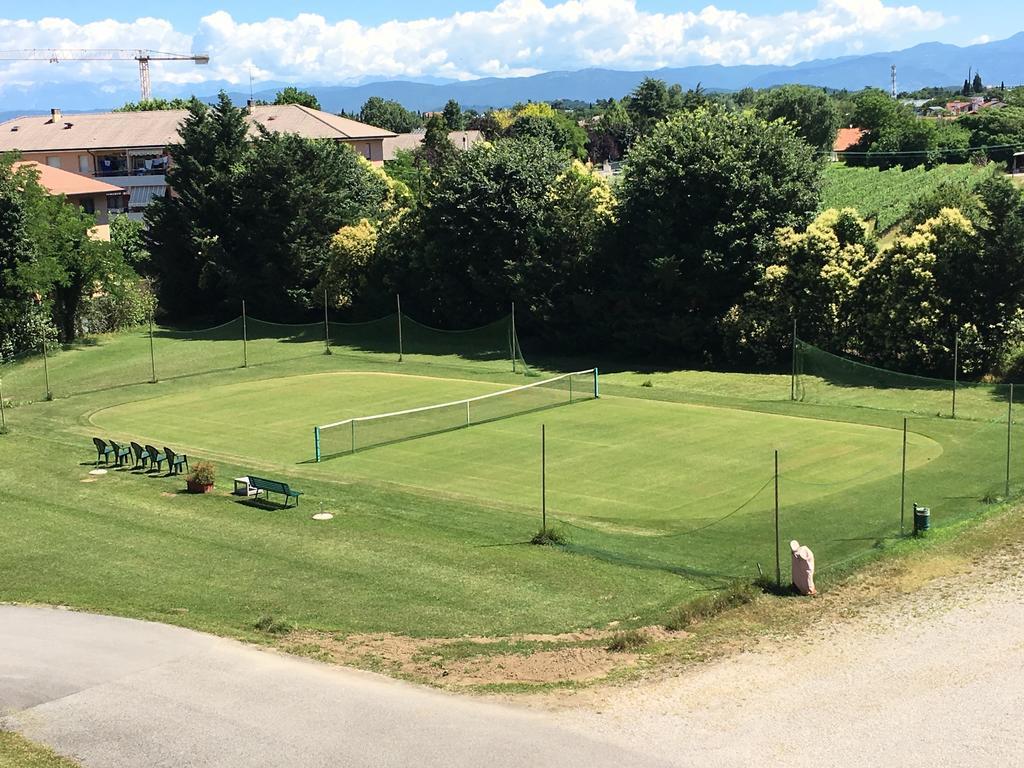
(664, 487)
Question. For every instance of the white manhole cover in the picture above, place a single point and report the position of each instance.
(322, 516)
(98, 472)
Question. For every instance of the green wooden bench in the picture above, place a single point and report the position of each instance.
(274, 486)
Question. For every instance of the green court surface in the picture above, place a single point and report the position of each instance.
(665, 486)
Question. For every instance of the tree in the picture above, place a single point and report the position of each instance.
(610, 136)
(977, 86)
(437, 148)
(966, 90)
(349, 263)
(1002, 128)
(16, 261)
(701, 199)
(293, 95)
(812, 277)
(152, 105)
(453, 116)
(389, 115)
(539, 121)
(651, 102)
(811, 111)
(189, 232)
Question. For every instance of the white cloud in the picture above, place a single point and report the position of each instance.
(515, 37)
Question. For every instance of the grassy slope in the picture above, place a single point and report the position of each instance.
(18, 752)
(652, 520)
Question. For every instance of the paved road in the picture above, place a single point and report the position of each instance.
(116, 693)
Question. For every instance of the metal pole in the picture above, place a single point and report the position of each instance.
(46, 372)
(152, 351)
(3, 416)
(327, 328)
(1009, 425)
(903, 476)
(398, 303)
(543, 480)
(956, 367)
(792, 377)
(316, 442)
(512, 338)
(778, 563)
(245, 351)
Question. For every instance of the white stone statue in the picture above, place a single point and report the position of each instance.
(803, 568)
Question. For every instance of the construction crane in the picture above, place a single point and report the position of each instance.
(57, 55)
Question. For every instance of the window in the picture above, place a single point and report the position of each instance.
(53, 161)
(366, 152)
(88, 205)
(83, 164)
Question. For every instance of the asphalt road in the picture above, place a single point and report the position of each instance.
(115, 693)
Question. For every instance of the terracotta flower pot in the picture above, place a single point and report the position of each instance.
(194, 487)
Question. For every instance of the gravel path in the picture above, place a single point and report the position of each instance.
(933, 678)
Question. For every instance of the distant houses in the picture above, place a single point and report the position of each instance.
(128, 150)
(410, 141)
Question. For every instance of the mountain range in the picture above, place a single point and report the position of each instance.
(927, 64)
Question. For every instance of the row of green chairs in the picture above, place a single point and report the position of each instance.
(146, 456)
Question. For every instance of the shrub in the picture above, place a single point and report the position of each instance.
(267, 623)
(203, 473)
(549, 537)
(736, 594)
(628, 640)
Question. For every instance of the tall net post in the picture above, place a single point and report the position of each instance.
(903, 476)
(316, 442)
(543, 479)
(327, 328)
(152, 351)
(1009, 427)
(3, 414)
(46, 371)
(792, 376)
(597, 386)
(398, 304)
(512, 338)
(956, 367)
(778, 561)
(245, 342)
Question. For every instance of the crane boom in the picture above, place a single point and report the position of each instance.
(141, 55)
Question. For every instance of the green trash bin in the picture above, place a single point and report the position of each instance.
(922, 519)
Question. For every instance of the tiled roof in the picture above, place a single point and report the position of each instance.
(410, 141)
(119, 130)
(846, 138)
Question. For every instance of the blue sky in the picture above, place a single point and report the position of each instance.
(321, 41)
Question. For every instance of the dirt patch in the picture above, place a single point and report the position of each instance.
(87, 480)
(470, 662)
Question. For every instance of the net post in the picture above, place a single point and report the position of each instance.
(512, 337)
(956, 366)
(570, 389)
(353, 432)
(245, 351)
(316, 442)
(398, 303)
(903, 476)
(3, 414)
(152, 351)
(792, 376)
(46, 370)
(543, 479)
(1009, 425)
(467, 413)
(597, 387)
(778, 562)
(327, 328)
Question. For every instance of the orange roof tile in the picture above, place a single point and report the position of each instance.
(58, 182)
(846, 138)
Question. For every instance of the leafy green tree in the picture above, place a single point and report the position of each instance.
(651, 102)
(1003, 128)
(453, 116)
(152, 105)
(293, 95)
(16, 260)
(538, 123)
(977, 86)
(437, 149)
(812, 277)
(812, 111)
(389, 115)
(349, 263)
(190, 232)
(966, 90)
(609, 138)
(701, 199)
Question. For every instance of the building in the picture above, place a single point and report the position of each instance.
(410, 141)
(846, 139)
(94, 196)
(129, 149)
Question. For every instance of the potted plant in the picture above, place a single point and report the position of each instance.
(200, 479)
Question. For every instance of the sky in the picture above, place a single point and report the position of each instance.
(324, 41)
